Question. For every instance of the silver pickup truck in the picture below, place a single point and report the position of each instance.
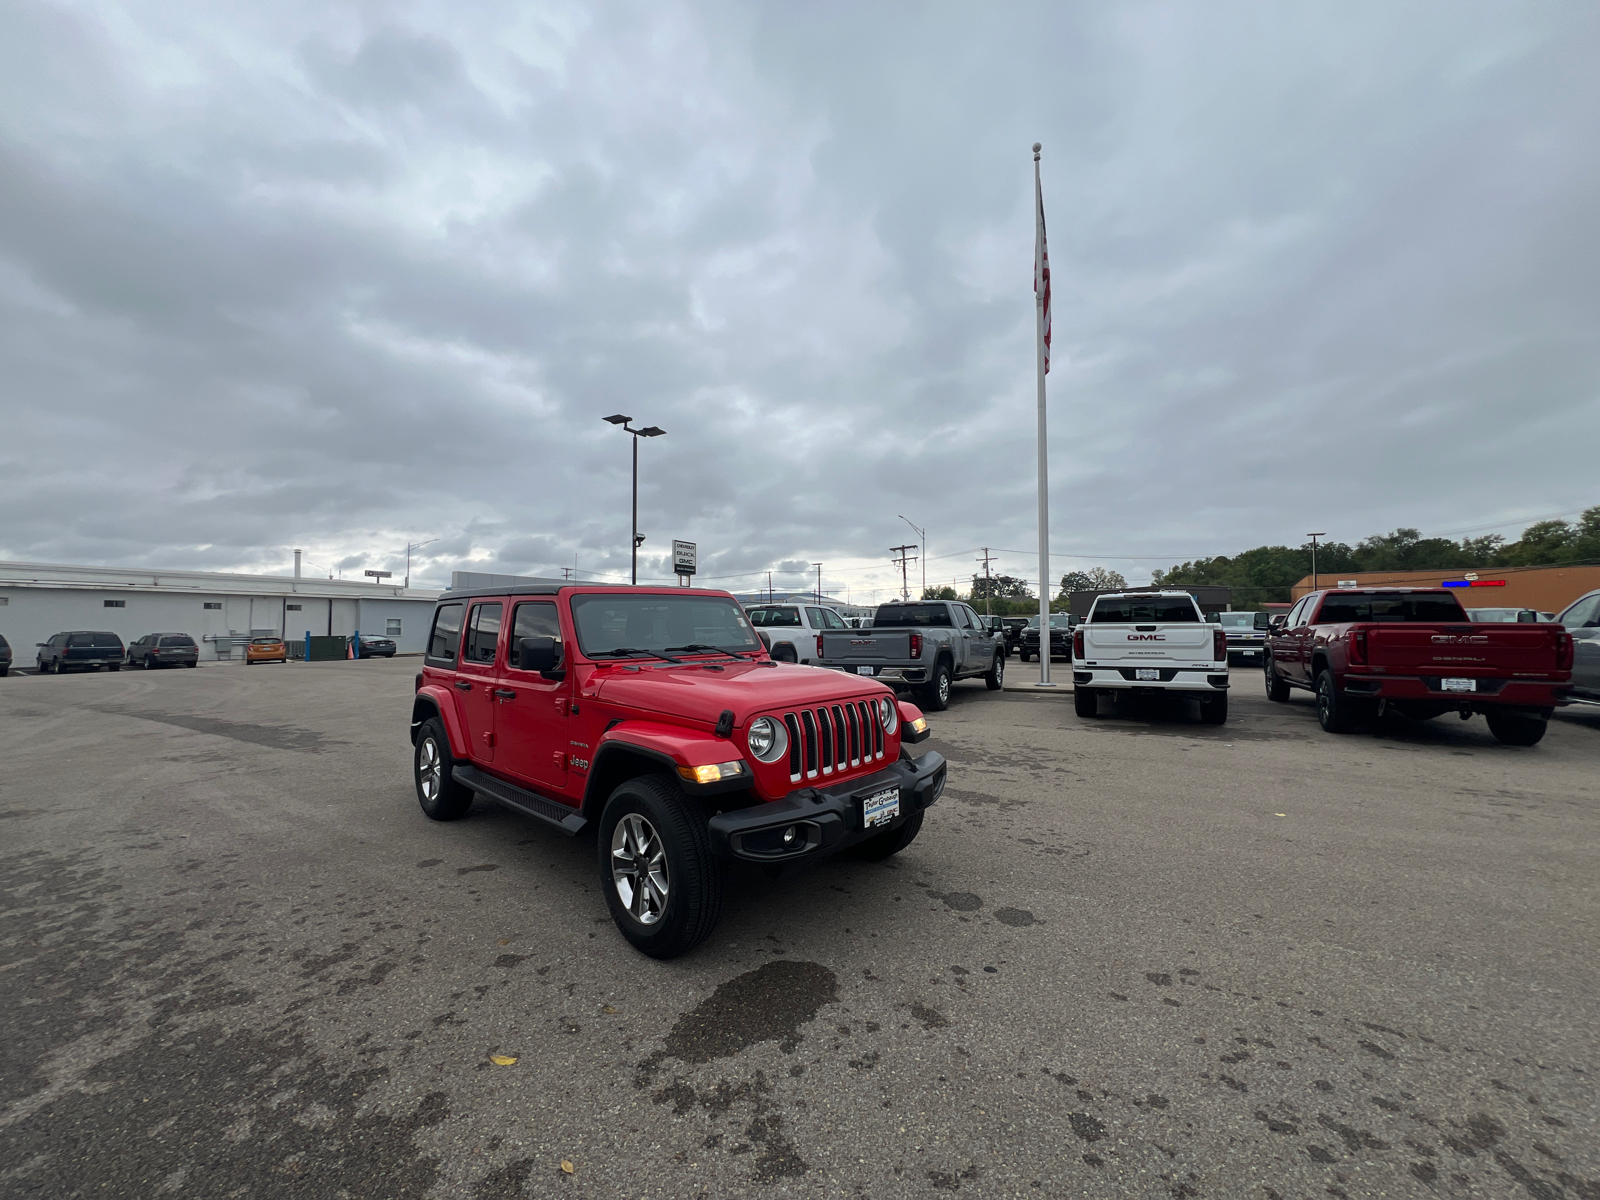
(924, 645)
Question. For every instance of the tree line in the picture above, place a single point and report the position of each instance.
(1266, 573)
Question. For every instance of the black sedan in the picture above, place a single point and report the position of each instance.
(5, 657)
(376, 647)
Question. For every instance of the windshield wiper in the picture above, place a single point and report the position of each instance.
(630, 650)
(706, 648)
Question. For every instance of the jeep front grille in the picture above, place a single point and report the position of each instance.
(832, 739)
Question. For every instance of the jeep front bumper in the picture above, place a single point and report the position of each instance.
(814, 823)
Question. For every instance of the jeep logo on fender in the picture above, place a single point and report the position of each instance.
(1147, 637)
(1461, 639)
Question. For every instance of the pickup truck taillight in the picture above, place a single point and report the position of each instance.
(916, 645)
(819, 645)
(1077, 643)
(1219, 646)
(1358, 646)
(1563, 650)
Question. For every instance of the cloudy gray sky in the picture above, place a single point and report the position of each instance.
(344, 276)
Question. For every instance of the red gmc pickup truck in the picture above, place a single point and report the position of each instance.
(657, 715)
(1364, 651)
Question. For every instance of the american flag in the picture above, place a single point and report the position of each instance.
(1041, 269)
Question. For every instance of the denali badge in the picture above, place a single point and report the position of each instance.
(1461, 639)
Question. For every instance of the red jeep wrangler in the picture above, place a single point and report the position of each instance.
(657, 713)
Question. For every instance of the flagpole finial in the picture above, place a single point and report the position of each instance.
(1036, 149)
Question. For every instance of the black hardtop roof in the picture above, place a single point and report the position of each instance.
(555, 589)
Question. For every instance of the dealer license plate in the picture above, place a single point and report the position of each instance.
(880, 807)
(863, 670)
(1459, 685)
(1147, 673)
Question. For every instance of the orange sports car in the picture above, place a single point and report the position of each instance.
(265, 649)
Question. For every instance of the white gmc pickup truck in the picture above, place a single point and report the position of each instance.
(1150, 642)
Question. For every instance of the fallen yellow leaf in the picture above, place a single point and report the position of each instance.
(503, 1060)
(1280, 814)
(608, 1009)
(566, 1165)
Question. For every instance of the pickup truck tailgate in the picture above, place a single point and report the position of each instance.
(1135, 643)
(1467, 649)
(867, 646)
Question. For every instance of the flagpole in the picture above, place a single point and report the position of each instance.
(1044, 469)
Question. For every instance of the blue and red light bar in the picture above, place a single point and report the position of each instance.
(1473, 583)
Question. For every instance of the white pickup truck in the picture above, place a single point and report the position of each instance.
(792, 631)
(1150, 642)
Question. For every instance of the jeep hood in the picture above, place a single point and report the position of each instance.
(691, 692)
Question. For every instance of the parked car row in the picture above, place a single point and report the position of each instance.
(90, 650)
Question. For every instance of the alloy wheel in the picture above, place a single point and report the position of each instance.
(639, 869)
(430, 769)
(944, 687)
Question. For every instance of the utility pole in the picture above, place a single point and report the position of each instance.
(566, 572)
(769, 587)
(1314, 537)
(923, 534)
(988, 588)
(818, 566)
(905, 585)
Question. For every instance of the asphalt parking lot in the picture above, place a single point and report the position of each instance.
(1130, 957)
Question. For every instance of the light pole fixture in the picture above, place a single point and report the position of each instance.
(1314, 537)
(647, 431)
(410, 546)
(818, 566)
(922, 535)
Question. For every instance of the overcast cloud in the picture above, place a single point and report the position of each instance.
(344, 276)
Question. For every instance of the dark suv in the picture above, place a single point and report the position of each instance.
(164, 650)
(89, 650)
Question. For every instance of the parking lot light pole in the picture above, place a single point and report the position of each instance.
(1314, 537)
(410, 546)
(647, 431)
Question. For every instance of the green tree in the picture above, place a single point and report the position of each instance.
(941, 591)
(1097, 580)
(1000, 587)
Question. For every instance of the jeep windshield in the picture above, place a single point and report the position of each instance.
(624, 625)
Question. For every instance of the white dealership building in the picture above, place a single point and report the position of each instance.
(213, 607)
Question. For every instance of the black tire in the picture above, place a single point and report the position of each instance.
(1023, 655)
(112, 667)
(193, 664)
(1332, 710)
(996, 678)
(890, 842)
(441, 797)
(1277, 689)
(3, 671)
(1515, 729)
(1214, 709)
(1086, 702)
(935, 697)
(679, 840)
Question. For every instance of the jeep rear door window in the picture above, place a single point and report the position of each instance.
(484, 635)
(446, 636)
(912, 616)
(1343, 610)
(775, 618)
(656, 623)
(1145, 610)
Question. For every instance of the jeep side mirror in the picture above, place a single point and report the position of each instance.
(541, 654)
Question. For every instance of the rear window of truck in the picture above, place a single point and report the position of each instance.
(775, 618)
(912, 616)
(1343, 610)
(1145, 610)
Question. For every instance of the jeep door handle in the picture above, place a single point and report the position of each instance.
(463, 686)
(505, 694)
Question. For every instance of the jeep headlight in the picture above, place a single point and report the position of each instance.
(888, 714)
(768, 739)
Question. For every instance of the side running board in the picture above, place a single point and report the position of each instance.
(529, 804)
